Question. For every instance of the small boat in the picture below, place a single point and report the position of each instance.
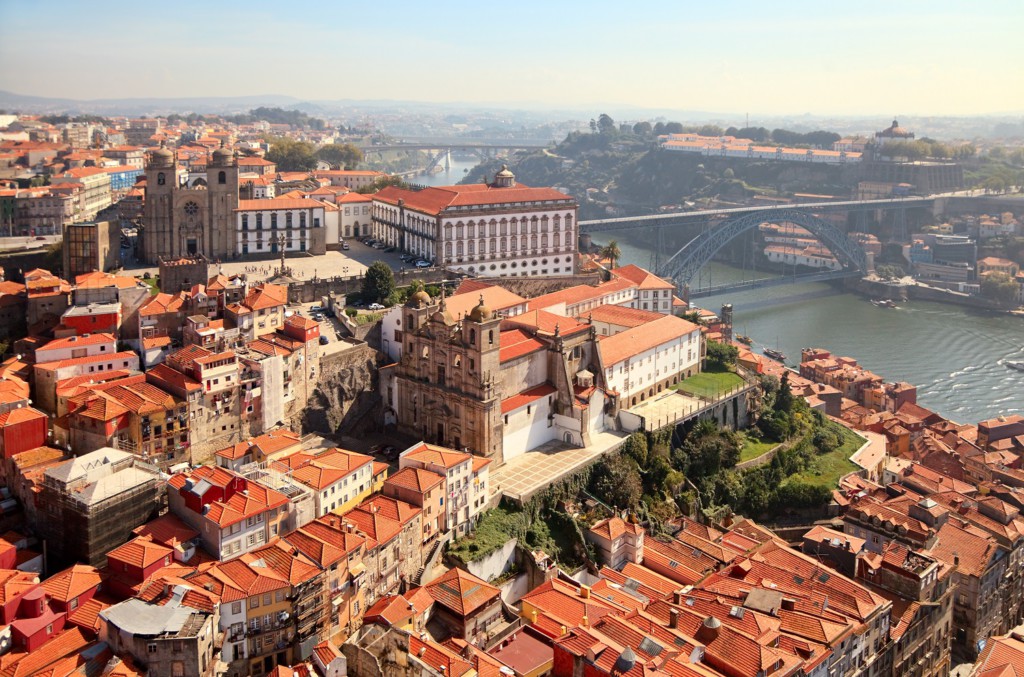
(775, 354)
(1015, 364)
(884, 303)
(745, 340)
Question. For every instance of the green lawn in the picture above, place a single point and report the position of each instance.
(709, 383)
(754, 446)
(826, 469)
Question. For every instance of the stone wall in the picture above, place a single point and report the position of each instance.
(308, 291)
(346, 392)
(529, 287)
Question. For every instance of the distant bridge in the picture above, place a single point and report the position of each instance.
(703, 216)
(714, 290)
(453, 144)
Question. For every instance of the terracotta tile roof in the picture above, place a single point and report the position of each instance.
(391, 508)
(374, 525)
(565, 603)
(1002, 656)
(267, 444)
(78, 342)
(74, 581)
(440, 659)
(79, 361)
(22, 664)
(437, 199)
(163, 303)
(494, 297)
(140, 552)
(429, 454)
(21, 415)
(515, 343)
(162, 373)
(14, 583)
(613, 527)
(266, 296)
(87, 615)
(632, 342)
(168, 530)
(968, 545)
(461, 591)
(326, 652)
(636, 577)
(287, 561)
(544, 322)
(623, 316)
(278, 203)
(510, 404)
(392, 609)
(324, 553)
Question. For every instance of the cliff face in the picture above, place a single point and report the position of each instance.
(346, 393)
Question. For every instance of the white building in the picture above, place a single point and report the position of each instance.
(70, 347)
(466, 479)
(497, 229)
(641, 361)
(260, 224)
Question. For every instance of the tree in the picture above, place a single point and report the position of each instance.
(674, 128)
(1000, 288)
(383, 182)
(889, 272)
(784, 398)
(721, 355)
(342, 156)
(605, 124)
(378, 282)
(611, 251)
(292, 156)
(635, 447)
(616, 481)
(642, 129)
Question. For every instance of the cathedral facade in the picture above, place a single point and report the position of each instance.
(186, 221)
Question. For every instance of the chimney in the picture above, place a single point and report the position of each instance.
(586, 621)
(708, 630)
(673, 618)
(585, 592)
(677, 597)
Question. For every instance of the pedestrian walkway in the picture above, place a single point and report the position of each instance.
(528, 473)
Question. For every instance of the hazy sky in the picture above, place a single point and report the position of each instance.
(789, 56)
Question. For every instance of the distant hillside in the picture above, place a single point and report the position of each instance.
(141, 106)
(628, 174)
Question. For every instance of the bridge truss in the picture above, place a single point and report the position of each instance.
(684, 265)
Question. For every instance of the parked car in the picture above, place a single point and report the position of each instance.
(376, 306)
(344, 246)
(317, 317)
(423, 264)
(324, 340)
(388, 250)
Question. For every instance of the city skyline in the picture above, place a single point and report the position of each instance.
(731, 58)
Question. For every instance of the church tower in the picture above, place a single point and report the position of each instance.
(222, 185)
(157, 233)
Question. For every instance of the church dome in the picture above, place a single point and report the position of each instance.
(481, 312)
(419, 300)
(505, 178)
(223, 156)
(162, 157)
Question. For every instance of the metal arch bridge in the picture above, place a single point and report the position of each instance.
(684, 265)
(707, 215)
(452, 144)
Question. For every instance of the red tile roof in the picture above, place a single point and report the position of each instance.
(510, 404)
(437, 199)
(461, 591)
(631, 342)
(73, 582)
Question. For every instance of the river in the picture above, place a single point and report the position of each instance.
(446, 178)
(951, 353)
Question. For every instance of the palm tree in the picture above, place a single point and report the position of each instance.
(611, 251)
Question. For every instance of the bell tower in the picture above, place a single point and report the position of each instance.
(157, 233)
(222, 186)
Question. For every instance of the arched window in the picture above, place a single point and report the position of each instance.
(504, 226)
(494, 227)
(494, 246)
(222, 177)
(522, 242)
(490, 337)
(448, 249)
(458, 248)
(161, 179)
(558, 240)
(544, 241)
(245, 222)
(472, 336)
(544, 224)
(568, 221)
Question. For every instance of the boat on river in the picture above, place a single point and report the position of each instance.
(745, 340)
(1015, 364)
(884, 303)
(775, 354)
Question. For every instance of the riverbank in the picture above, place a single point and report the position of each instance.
(908, 289)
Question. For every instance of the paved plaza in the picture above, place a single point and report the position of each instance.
(534, 470)
(666, 408)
